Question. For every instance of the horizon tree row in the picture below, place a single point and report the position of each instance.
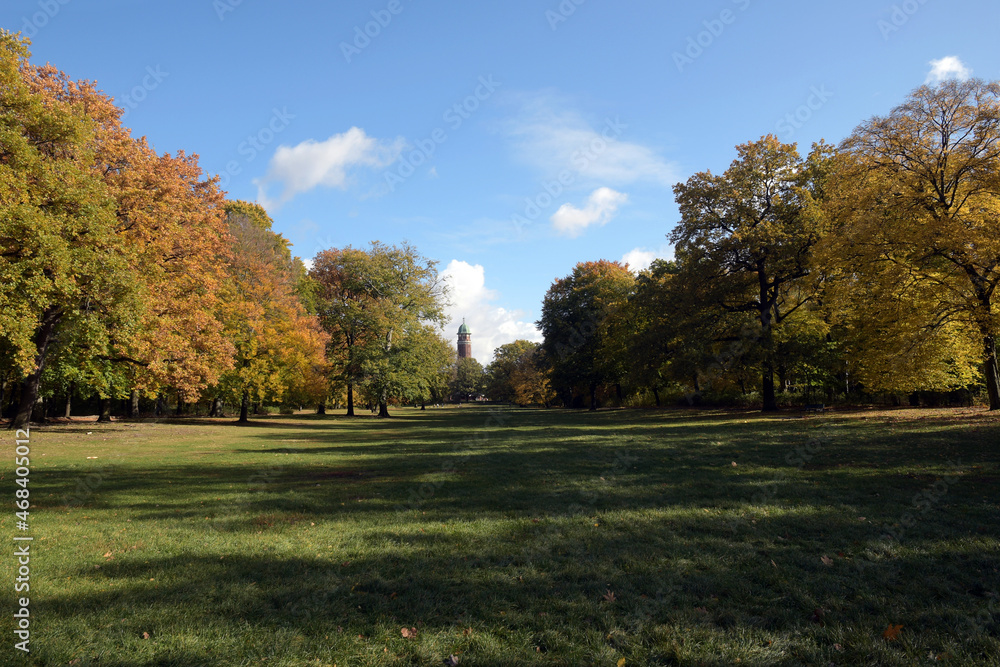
(869, 266)
(127, 275)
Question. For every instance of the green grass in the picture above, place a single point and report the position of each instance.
(515, 538)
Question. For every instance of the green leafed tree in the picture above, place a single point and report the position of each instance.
(581, 342)
(745, 241)
(376, 305)
(469, 379)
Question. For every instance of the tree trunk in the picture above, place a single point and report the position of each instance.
(180, 405)
(161, 405)
(321, 409)
(593, 396)
(767, 340)
(15, 399)
(29, 388)
(133, 404)
(350, 399)
(991, 370)
(423, 405)
(767, 365)
(69, 403)
(770, 399)
(245, 408)
(656, 395)
(383, 409)
(105, 411)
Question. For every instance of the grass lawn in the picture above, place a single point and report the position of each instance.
(514, 538)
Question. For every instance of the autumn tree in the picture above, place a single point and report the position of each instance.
(530, 378)
(746, 238)
(917, 219)
(280, 348)
(64, 266)
(165, 231)
(577, 323)
(499, 374)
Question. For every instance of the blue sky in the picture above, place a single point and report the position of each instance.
(508, 141)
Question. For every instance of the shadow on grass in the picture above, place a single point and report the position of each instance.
(522, 536)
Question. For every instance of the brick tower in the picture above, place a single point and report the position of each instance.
(464, 342)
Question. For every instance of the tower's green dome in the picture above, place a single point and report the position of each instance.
(464, 329)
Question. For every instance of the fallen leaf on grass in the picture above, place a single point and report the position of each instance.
(145, 635)
(827, 561)
(892, 633)
(467, 632)
(817, 616)
(733, 464)
(838, 647)
(451, 660)
(409, 633)
(609, 596)
(701, 610)
(621, 663)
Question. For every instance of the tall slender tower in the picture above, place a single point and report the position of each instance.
(464, 341)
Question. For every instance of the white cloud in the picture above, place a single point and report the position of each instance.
(601, 206)
(640, 259)
(491, 325)
(949, 67)
(312, 164)
(554, 139)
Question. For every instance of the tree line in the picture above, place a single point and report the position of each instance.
(128, 275)
(863, 268)
(869, 267)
